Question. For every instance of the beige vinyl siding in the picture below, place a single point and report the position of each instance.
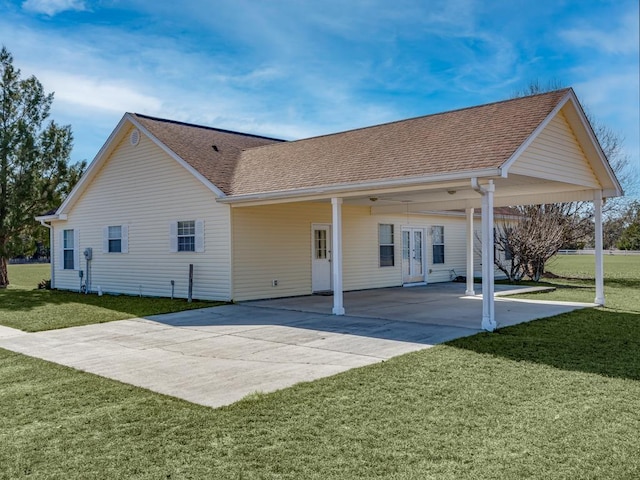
(556, 155)
(274, 243)
(145, 189)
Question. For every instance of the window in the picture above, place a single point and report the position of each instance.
(320, 243)
(68, 249)
(115, 239)
(387, 247)
(187, 236)
(437, 234)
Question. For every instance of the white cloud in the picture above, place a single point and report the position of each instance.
(93, 93)
(53, 7)
(615, 38)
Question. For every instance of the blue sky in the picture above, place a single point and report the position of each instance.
(294, 69)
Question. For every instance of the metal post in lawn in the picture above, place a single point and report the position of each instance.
(190, 295)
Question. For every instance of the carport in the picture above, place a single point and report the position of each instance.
(535, 150)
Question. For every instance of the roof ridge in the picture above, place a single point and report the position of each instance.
(206, 127)
(418, 117)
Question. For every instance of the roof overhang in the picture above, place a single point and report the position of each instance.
(108, 148)
(50, 218)
(570, 106)
(359, 189)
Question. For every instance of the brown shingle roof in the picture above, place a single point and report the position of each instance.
(469, 139)
(462, 140)
(195, 145)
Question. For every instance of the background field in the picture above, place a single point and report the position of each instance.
(622, 280)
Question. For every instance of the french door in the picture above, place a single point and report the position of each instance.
(413, 270)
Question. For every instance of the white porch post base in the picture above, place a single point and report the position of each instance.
(469, 291)
(336, 256)
(597, 204)
(488, 302)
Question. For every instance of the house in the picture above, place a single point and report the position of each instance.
(258, 217)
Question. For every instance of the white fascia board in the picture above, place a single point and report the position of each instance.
(47, 218)
(348, 189)
(569, 97)
(106, 150)
(596, 145)
(177, 158)
(93, 167)
(512, 159)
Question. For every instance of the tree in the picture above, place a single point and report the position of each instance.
(630, 236)
(34, 156)
(543, 230)
(527, 243)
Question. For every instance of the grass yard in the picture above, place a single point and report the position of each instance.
(554, 398)
(621, 283)
(25, 307)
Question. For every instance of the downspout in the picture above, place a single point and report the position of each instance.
(51, 250)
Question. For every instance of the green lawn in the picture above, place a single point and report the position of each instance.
(554, 398)
(23, 306)
(622, 281)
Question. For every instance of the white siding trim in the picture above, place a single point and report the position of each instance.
(199, 247)
(76, 249)
(124, 238)
(173, 236)
(60, 249)
(105, 239)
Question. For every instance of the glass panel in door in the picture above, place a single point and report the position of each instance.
(417, 254)
(406, 255)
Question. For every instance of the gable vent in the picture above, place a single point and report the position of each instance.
(135, 137)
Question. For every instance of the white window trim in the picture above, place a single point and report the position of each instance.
(199, 236)
(434, 244)
(75, 249)
(392, 244)
(124, 239)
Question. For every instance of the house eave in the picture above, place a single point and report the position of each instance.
(598, 155)
(110, 145)
(47, 218)
(350, 189)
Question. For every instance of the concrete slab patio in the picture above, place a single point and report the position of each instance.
(216, 356)
(436, 304)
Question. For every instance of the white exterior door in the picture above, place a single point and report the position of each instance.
(413, 255)
(321, 258)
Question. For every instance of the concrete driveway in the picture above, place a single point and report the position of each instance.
(216, 356)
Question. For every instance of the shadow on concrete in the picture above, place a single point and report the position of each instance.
(426, 315)
(242, 318)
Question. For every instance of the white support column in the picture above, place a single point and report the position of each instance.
(488, 310)
(469, 290)
(597, 207)
(336, 256)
